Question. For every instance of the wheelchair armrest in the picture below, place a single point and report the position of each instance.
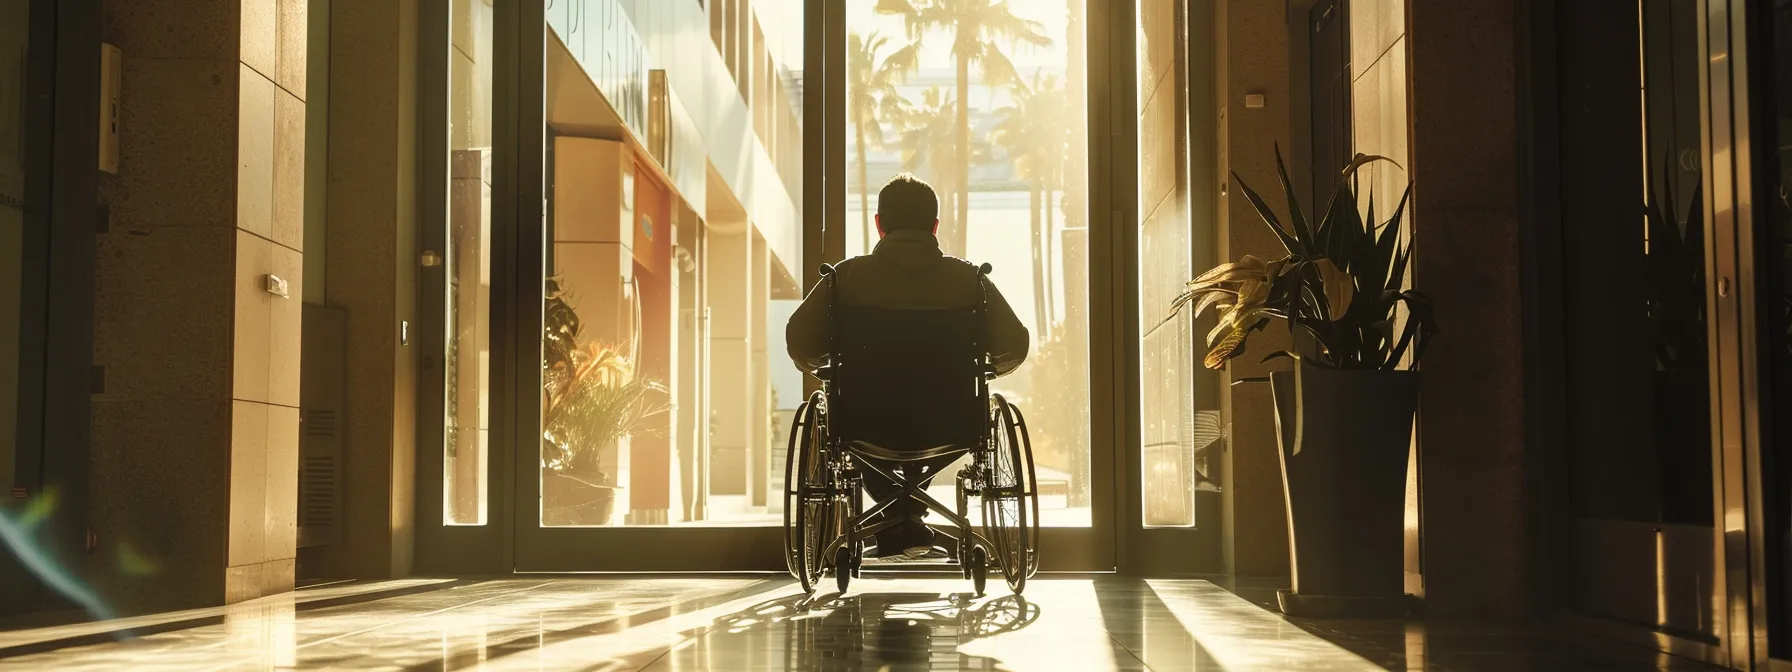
(825, 372)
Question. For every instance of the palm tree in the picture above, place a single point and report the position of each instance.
(927, 142)
(975, 25)
(1033, 134)
(927, 137)
(872, 100)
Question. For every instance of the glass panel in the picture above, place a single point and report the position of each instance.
(14, 22)
(1634, 315)
(1775, 310)
(468, 262)
(1168, 366)
(1015, 202)
(674, 171)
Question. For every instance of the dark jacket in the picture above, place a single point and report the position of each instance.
(907, 270)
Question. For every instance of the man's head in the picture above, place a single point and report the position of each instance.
(907, 204)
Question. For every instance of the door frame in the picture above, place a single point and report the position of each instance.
(1742, 486)
(1756, 566)
(512, 540)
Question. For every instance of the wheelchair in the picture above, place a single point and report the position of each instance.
(902, 388)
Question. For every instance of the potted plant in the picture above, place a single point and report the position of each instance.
(1345, 409)
(592, 402)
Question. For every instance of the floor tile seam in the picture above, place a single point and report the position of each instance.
(416, 616)
(1123, 647)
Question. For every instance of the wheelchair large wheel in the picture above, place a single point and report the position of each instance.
(1032, 488)
(808, 495)
(1011, 497)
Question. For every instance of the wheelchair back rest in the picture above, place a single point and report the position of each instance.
(908, 379)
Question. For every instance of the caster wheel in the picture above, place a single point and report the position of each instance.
(979, 567)
(845, 567)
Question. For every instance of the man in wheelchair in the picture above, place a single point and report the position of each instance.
(908, 297)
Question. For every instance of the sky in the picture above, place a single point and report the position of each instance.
(782, 21)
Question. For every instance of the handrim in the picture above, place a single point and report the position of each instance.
(1004, 501)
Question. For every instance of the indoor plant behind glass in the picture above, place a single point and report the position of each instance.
(591, 401)
(1345, 409)
(1674, 284)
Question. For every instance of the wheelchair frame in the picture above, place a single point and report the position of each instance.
(824, 488)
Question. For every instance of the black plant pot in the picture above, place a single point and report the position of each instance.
(568, 501)
(1345, 437)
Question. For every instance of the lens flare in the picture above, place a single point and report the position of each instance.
(17, 535)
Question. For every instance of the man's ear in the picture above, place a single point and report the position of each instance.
(879, 219)
(936, 227)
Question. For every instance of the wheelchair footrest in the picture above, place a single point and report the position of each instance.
(898, 562)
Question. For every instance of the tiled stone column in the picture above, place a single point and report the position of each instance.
(761, 396)
(195, 442)
(1253, 58)
(731, 356)
(1465, 207)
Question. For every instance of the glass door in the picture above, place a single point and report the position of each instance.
(630, 198)
(1749, 126)
(986, 102)
(1772, 303)
(1761, 295)
(649, 426)
(678, 164)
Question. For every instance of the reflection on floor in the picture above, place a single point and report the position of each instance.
(767, 624)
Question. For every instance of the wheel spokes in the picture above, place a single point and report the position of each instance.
(1006, 498)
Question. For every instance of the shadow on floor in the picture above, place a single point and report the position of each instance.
(871, 631)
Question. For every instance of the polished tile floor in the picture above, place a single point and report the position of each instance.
(768, 624)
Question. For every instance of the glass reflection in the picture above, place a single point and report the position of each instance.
(673, 223)
(1002, 137)
(468, 263)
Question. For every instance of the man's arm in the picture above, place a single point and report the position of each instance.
(1007, 336)
(806, 335)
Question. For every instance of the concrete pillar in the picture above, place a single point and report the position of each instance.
(703, 418)
(195, 436)
(760, 415)
(1465, 209)
(594, 237)
(372, 264)
(692, 426)
(1252, 59)
(731, 360)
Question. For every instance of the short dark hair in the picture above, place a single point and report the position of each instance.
(907, 204)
